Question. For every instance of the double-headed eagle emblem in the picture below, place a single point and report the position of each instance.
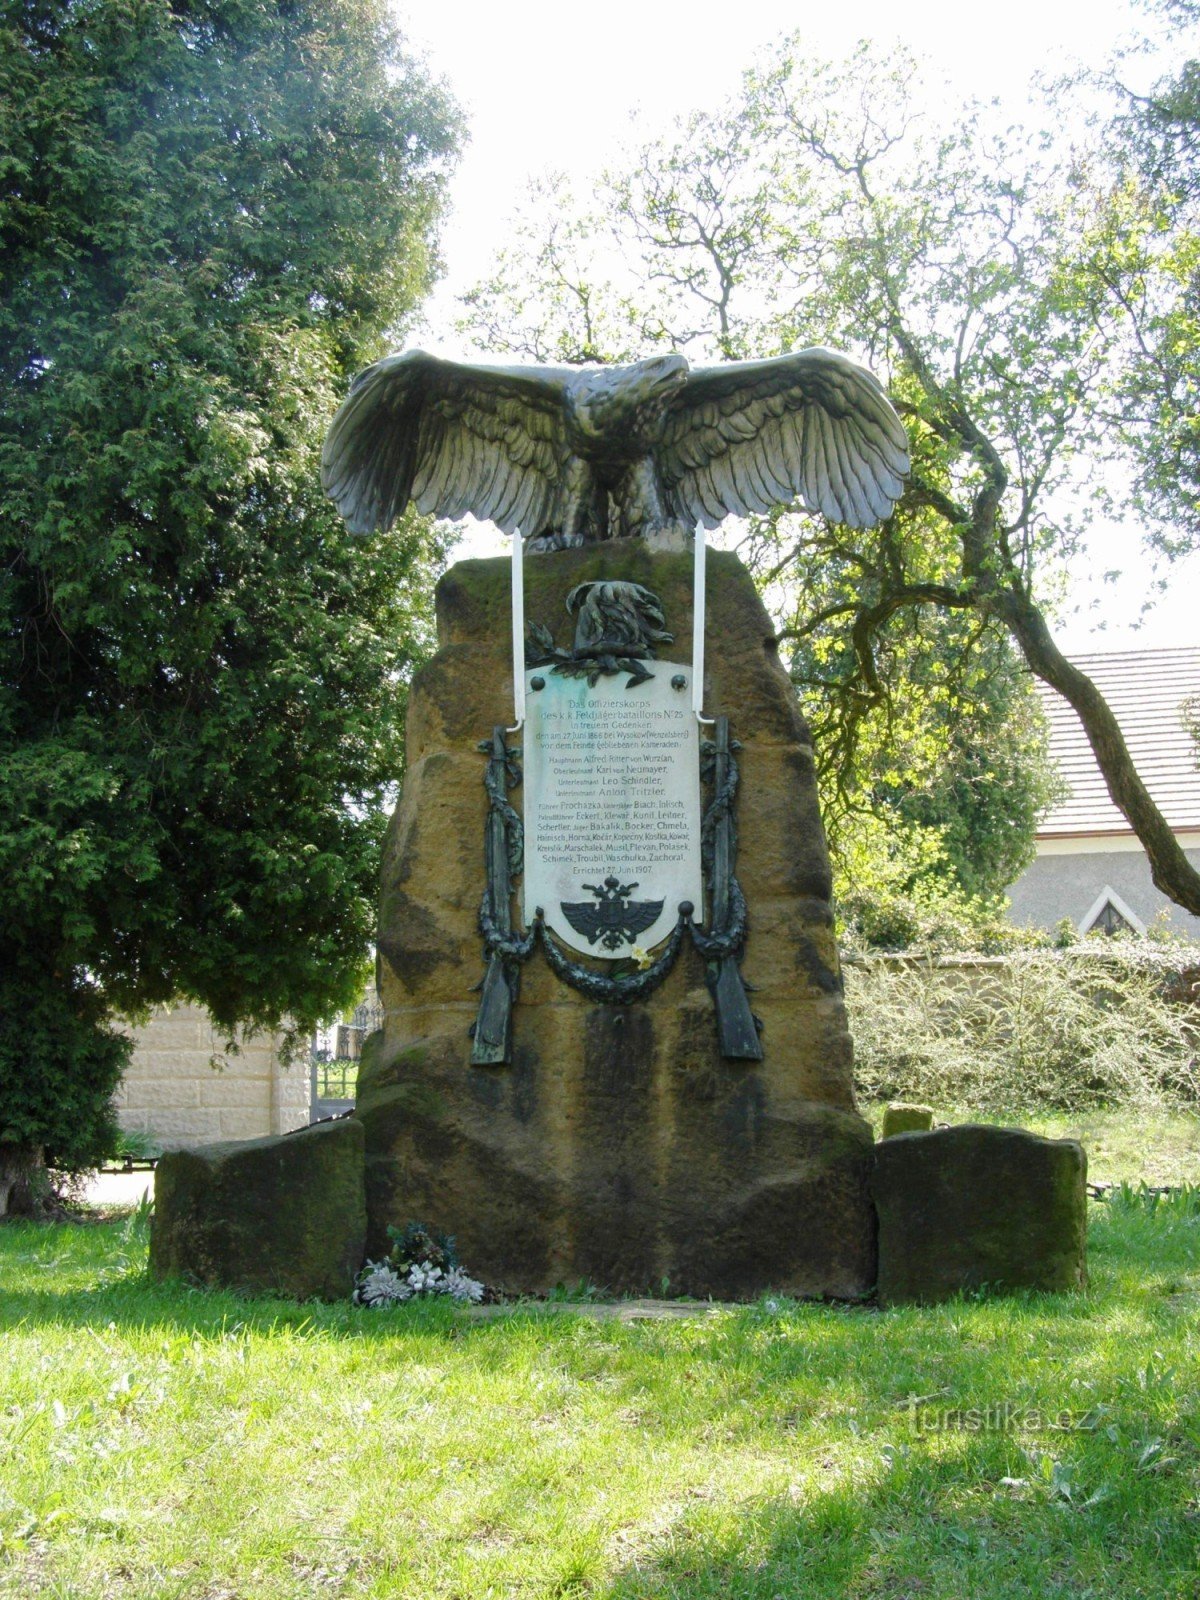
(614, 919)
(573, 454)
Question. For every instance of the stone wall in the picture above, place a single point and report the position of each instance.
(174, 1096)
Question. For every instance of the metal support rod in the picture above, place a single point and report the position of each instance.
(518, 630)
(722, 869)
(700, 549)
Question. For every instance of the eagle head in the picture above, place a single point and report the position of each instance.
(616, 617)
(608, 404)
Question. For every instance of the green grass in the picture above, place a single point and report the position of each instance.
(1123, 1146)
(157, 1441)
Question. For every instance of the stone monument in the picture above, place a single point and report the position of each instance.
(615, 1046)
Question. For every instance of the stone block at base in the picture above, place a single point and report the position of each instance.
(961, 1208)
(282, 1215)
(900, 1117)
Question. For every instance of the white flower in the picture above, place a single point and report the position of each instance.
(379, 1284)
(460, 1287)
(423, 1279)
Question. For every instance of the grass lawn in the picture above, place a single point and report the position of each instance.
(168, 1443)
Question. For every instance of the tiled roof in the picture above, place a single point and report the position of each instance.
(1145, 689)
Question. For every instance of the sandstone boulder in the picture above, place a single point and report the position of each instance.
(619, 1145)
(280, 1215)
(900, 1117)
(964, 1207)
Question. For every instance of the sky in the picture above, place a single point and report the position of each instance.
(555, 86)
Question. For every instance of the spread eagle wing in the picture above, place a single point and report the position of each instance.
(640, 915)
(585, 916)
(813, 426)
(454, 438)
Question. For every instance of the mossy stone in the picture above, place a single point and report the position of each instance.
(972, 1206)
(283, 1215)
(902, 1118)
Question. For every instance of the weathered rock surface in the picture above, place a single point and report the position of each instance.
(619, 1146)
(282, 1215)
(900, 1117)
(967, 1206)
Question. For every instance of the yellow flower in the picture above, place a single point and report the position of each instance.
(641, 958)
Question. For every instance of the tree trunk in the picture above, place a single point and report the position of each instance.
(21, 1166)
(1170, 868)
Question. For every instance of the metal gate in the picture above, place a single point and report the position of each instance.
(335, 1053)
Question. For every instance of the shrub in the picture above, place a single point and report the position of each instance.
(1110, 1024)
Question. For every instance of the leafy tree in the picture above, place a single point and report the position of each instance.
(931, 804)
(210, 212)
(1190, 711)
(1153, 169)
(940, 732)
(993, 781)
(968, 265)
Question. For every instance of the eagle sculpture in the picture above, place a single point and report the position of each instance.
(574, 454)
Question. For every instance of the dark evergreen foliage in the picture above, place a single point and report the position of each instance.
(210, 213)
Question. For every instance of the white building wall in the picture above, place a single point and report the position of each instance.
(176, 1098)
(1069, 874)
